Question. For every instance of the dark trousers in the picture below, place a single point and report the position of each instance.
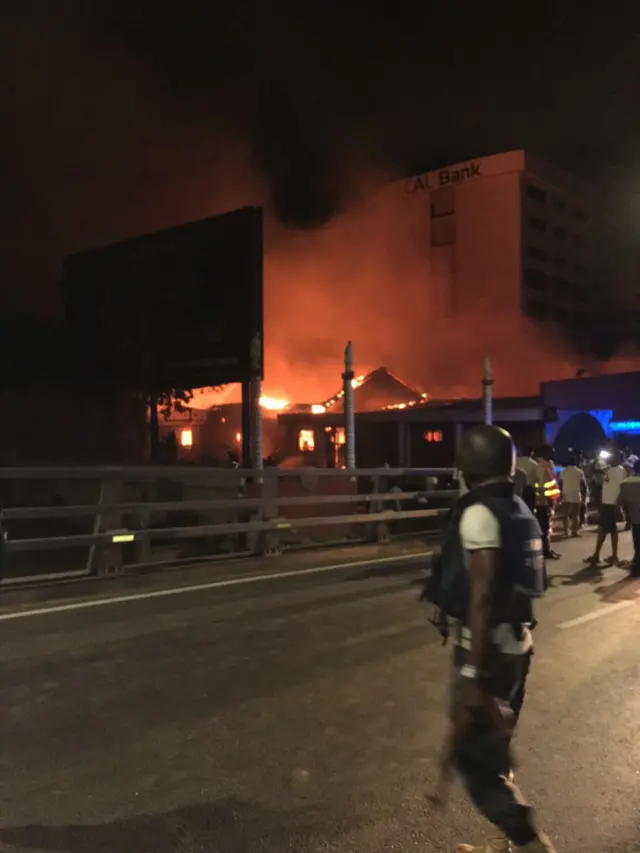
(483, 756)
(635, 563)
(543, 515)
(529, 497)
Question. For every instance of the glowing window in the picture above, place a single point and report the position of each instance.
(306, 440)
(433, 436)
(340, 436)
(186, 438)
(238, 437)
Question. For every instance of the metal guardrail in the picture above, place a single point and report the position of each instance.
(71, 522)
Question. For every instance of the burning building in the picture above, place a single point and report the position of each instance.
(399, 426)
(396, 424)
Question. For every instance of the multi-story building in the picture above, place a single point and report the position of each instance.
(509, 233)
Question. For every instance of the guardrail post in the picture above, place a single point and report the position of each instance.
(268, 543)
(381, 532)
(106, 557)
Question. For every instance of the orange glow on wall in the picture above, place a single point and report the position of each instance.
(306, 440)
(186, 438)
(340, 436)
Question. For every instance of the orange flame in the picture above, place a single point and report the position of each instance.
(273, 404)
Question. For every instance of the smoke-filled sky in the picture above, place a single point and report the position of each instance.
(123, 116)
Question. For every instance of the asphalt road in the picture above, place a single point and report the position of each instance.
(301, 714)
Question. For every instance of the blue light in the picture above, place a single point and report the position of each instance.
(625, 426)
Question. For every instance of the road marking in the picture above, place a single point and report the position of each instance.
(595, 614)
(228, 582)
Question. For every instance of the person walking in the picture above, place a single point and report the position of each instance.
(547, 494)
(529, 467)
(572, 483)
(630, 501)
(483, 584)
(613, 476)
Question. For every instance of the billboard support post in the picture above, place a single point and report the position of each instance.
(154, 429)
(256, 393)
(245, 458)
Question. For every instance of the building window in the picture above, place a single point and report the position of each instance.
(536, 193)
(537, 224)
(558, 204)
(186, 438)
(443, 231)
(559, 315)
(536, 310)
(537, 253)
(340, 437)
(306, 441)
(433, 436)
(535, 280)
(562, 287)
(443, 202)
(560, 233)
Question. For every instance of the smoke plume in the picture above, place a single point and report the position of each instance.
(123, 120)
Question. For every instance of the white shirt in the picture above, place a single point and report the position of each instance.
(572, 478)
(529, 467)
(479, 528)
(613, 477)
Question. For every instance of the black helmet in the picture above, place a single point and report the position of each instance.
(545, 452)
(486, 451)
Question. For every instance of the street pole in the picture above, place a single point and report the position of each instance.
(349, 415)
(487, 392)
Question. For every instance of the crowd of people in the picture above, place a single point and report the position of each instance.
(604, 487)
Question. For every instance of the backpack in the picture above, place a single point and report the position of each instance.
(447, 587)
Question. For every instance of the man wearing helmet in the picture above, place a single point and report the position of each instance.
(503, 570)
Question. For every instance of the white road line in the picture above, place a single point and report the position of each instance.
(181, 590)
(596, 614)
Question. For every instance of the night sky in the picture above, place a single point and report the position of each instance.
(120, 117)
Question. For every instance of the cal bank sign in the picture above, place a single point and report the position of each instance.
(444, 178)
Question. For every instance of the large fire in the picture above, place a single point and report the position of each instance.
(272, 404)
(369, 276)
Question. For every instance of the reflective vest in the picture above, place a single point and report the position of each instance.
(547, 490)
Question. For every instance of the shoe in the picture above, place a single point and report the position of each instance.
(541, 844)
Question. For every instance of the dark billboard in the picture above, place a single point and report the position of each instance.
(173, 309)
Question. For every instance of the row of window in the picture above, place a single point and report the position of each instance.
(539, 254)
(560, 233)
(539, 195)
(540, 282)
(538, 310)
(307, 438)
(443, 231)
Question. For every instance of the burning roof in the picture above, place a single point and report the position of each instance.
(377, 390)
(373, 391)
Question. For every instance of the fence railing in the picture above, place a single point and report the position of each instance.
(69, 522)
